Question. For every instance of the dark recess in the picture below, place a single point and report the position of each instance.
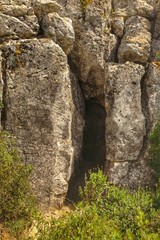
(93, 155)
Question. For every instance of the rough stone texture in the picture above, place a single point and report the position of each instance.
(53, 49)
(13, 28)
(60, 30)
(153, 92)
(124, 129)
(118, 26)
(43, 104)
(91, 33)
(39, 111)
(135, 44)
(131, 8)
(42, 7)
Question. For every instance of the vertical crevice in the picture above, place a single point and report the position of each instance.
(94, 134)
(93, 150)
(4, 80)
(146, 113)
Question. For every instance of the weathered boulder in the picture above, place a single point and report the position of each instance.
(39, 112)
(124, 129)
(91, 37)
(134, 8)
(152, 83)
(135, 44)
(51, 49)
(118, 26)
(60, 30)
(42, 7)
(14, 28)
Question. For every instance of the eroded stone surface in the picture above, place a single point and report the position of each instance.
(44, 106)
(60, 30)
(39, 112)
(14, 28)
(135, 8)
(135, 45)
(153, 92)
(124, 129)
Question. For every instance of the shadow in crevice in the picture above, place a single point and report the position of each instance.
(93, 155)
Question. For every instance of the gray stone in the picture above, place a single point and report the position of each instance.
(42, 7)
(118, 26)
(134, 8)
(40, 113)
(135, 44)
(153, 92)
(13, 28)
(60, 30)
(124, 129)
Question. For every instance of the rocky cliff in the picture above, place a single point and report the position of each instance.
(80, 87)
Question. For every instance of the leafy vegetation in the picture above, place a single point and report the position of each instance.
(155, 150)
(16, 197)
(107, 212)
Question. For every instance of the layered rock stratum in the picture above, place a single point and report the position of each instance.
(80, 85)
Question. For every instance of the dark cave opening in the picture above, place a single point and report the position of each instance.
(93, 150)
(94, 134)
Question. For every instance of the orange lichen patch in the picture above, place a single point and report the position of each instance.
(19, 64)
(156, 64)
(88, 1)
(138, 39)
(4, 234)
(18, 49)
(84, 4)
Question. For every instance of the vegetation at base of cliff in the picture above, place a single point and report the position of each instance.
(107, 212)
(16, 198)
(155, 150)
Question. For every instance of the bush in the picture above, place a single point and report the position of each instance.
(95, 186)
(16, 197)
(107, 212)
(155, 150)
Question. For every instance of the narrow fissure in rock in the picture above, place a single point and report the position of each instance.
(93, 153)
(3, 111)
(145, 110)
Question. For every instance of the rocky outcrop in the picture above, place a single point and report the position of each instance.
(124, 129)
(40, 94)
(80, 84)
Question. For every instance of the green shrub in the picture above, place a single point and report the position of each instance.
(95, 187)
(155, 150)
(16, 197)
(107, 212)
(82, 224)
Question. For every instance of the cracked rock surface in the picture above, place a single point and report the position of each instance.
(56, 59)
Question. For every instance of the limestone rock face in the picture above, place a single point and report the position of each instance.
(124, 129)
(60, 30)
(42, 101)
(123, 99)
(135, 44)
(13, 28)
(80, 83)
(39, 112)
